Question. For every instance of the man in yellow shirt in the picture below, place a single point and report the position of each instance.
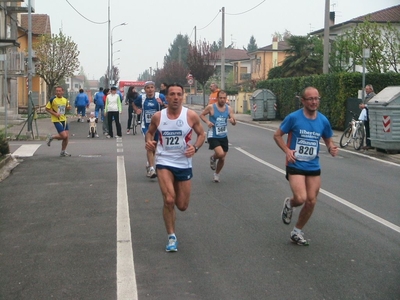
(57, 107)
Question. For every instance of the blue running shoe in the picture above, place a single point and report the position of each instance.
(172, 245)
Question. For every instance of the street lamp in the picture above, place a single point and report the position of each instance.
(366, 54)
(111, 78)
(110, 43)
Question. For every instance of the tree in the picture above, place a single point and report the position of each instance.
(57, 58)
(199, 61)
(383, 41)
(252, 45)
(275, 72)
(178, 50)
(172, 72)
(114, 75)
(305, 56)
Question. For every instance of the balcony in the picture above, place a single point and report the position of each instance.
(15, 64)
(18, 9)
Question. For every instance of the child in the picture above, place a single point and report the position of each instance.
(92, 120)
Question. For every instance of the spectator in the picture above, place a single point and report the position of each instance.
(81, 103)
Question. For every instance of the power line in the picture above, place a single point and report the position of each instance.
(211, 21)
(241, 13)
(84, 16)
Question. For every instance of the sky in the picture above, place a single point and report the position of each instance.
(153, 25)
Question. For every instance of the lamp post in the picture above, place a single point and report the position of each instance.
(110, 43)
(366, 54)
(112, 61)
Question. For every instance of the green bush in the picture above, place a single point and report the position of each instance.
(334, 89)
(4, 147)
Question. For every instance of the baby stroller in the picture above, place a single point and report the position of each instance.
(92, 120)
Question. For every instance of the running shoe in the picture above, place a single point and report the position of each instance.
(152, 173)
(172, 245)
(49, 139)
(213, 165)
(286, 212)
(97, 135)
(64, 154)
(298, 238)
(216, 177)
(88, 136)
(147, 171)
(128, 131)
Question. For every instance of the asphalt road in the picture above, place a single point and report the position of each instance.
(90, 226)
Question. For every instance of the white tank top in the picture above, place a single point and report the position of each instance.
(174, 135)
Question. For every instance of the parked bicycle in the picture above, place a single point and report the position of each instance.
(353, 133)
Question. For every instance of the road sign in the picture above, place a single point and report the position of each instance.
(190, 81)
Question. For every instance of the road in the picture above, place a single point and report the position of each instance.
(90, 226)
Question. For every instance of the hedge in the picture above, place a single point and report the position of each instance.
(334, 90)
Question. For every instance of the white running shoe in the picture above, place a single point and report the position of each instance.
(216, 177)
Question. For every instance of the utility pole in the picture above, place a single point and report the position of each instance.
(325, 68)
(30, 106)
(109, 48)
(223, 50)
(195, 44)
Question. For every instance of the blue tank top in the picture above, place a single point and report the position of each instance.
(220, 121)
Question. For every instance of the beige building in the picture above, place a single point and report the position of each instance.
(264, 59)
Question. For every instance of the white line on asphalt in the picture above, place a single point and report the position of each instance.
(26, 150)
(126, 277)
(334, 197)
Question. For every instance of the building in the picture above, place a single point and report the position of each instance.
(264, 59)
(231, 56)
(388, 15)
(40, 26)
(12, 58)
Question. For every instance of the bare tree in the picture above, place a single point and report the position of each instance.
(173, 71)
(201, 63)
(57, 58)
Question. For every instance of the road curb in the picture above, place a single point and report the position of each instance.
(6, 166)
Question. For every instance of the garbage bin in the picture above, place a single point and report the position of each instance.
(263, 105)
(384, 119)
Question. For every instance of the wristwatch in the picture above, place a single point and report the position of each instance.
(196, 149)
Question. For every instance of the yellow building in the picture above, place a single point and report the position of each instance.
(265, 58)
(40, 26)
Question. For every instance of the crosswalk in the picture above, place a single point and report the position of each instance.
(26, 150)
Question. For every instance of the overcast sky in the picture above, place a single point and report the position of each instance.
(153, 25)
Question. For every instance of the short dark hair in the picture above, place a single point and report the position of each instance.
(221, 92)
(174, 84)
(80, 90)
(113, 88)
(100, 89)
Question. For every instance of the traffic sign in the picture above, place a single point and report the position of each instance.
(190, 81)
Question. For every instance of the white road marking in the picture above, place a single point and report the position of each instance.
(126, 277)
(334, 197)
(26, 150)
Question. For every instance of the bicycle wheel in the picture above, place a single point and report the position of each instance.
(358, 140)
(345, 138)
